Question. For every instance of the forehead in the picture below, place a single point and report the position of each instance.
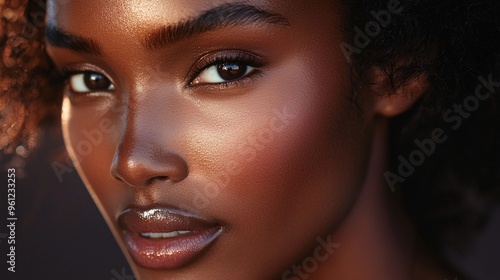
(123, 24)
(128, 14)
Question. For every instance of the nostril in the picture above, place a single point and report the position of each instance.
(146, 169)
(150, 181)
(141, 161)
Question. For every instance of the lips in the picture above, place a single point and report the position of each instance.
(164, 238)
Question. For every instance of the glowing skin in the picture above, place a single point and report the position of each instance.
(277, 157)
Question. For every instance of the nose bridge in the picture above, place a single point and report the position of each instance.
(144, 153)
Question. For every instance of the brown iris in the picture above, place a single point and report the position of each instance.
(232, 71)
(96, 82)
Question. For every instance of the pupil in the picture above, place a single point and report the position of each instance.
(95, 81)
(231, 71)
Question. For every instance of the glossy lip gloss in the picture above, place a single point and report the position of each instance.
(164, 238)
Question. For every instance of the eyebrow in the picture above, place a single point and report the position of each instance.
(225, 15)
(62, 39)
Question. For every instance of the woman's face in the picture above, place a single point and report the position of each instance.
(217, 138)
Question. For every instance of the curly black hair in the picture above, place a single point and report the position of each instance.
(454, 44)
(28, 95)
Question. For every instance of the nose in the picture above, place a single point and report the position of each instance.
(140, 167)
(144, 155)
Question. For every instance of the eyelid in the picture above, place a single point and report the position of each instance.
(219, 57)
(69, 70)
(196, 81)
(78, 76)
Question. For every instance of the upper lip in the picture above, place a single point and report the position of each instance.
(160, 219)
(160, 237)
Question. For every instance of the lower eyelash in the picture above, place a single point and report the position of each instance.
(242, 81)
(240, 58)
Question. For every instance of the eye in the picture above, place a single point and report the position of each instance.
(223, 73)
(89, 82)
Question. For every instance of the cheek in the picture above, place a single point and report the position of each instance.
(91, 135)
(288, 171)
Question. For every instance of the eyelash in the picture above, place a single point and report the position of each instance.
(221, 58)
(66, 73)
(206, 62)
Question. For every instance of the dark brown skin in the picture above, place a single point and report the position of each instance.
(166, 138)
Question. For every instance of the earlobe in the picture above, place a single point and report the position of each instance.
(391, 102)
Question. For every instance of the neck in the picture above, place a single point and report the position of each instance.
(377, 241)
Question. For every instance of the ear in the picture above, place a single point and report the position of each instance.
(390, 102)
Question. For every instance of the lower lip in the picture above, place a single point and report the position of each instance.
(169, 253)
